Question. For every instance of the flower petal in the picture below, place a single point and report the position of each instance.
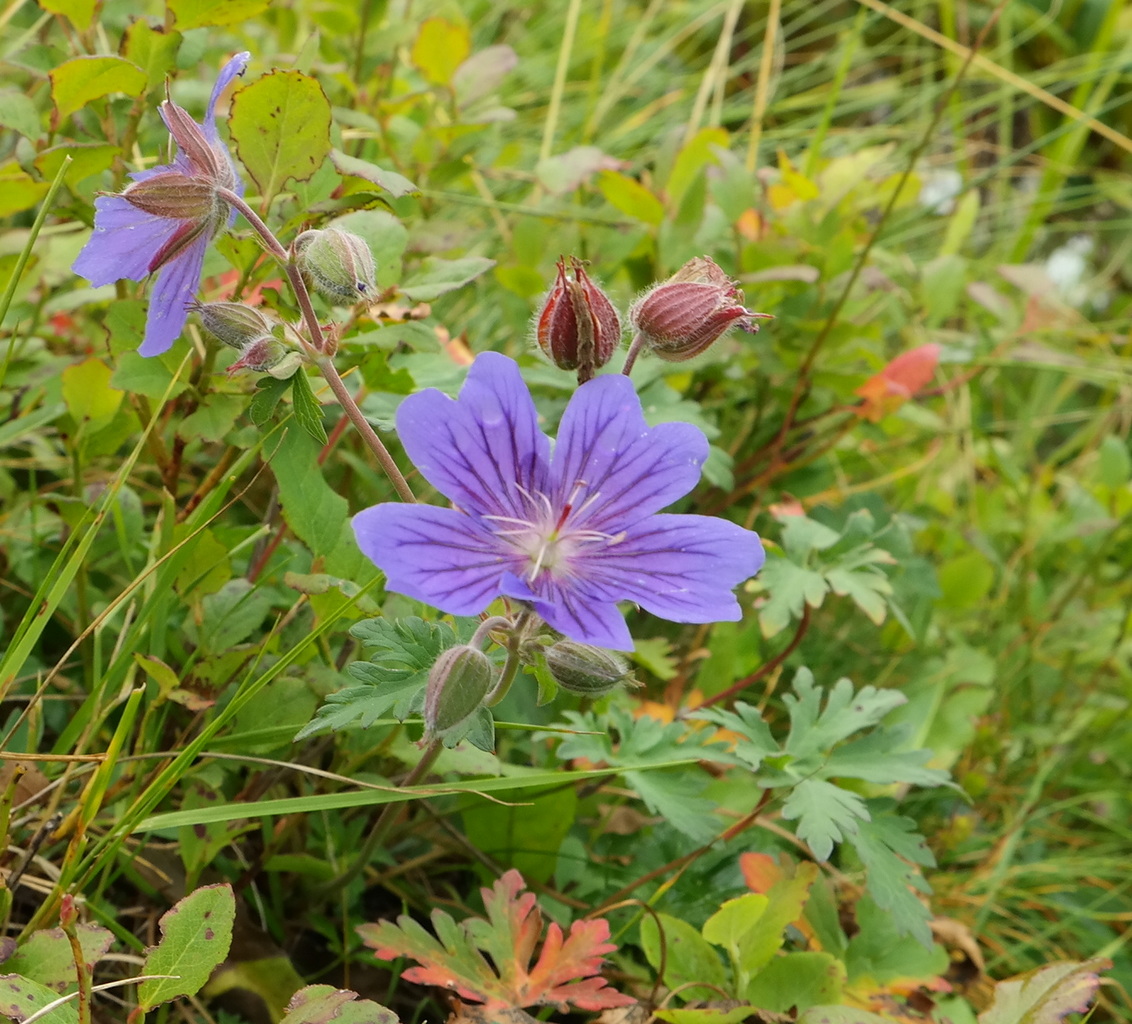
(683, 568)
(570, 609)
(177, 284)
(484, 450)
(230, 71)
(124, 241)
(437, 555)
(605, 449)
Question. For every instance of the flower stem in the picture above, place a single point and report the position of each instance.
(635, 347)
(323, 358)
(369, 435)
(511, 665)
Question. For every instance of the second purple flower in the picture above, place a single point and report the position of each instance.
(571, 533)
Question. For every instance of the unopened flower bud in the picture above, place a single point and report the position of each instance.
(234, 323)
(339, 263)
(586, 670)
(267, 354)
(457, 685)
(174, 195)
(683, 316)
(578, 326)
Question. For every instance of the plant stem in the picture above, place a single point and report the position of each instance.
(323, 358)
(635, 347)
(369, 435)
(385, 820)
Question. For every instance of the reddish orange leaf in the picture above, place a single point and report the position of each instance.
(897, 382)
(566, 973)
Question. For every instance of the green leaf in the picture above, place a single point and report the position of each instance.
(523, 831)
(841, 1015)
(76, 82)
(708, 1015)
(815, 729)
(213, 418)
(826, 814)
(153, 49)
(867, 589)
(308, 413)
(790, 588)
(675, 793)
(19, 191)
(47, 957)
(436, 277)
(798, 980)
(802, 535)
(878, 954)
(691, 161)
(1045, 995)
(390, 181)
(687, 956)
(19, 113)
(88, 394)
(440, 48)
(80, 13)
(22, 997)
(889, 847)
(314, 511)
(630, 197)
(874, 759)
(195, 936)
(266, 398)
(325, 1004)
(402, 651)
(198, 13)
(281, 127)
(86, 159)
(727, 926)
(784, 905)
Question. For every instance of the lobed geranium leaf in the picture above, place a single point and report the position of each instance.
(195, 937)
(565, 973)
(826, 814)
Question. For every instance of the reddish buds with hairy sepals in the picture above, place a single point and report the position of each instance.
(683, 316)
(578, 328)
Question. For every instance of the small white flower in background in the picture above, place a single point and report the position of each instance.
(1067, 266)
(939, 189)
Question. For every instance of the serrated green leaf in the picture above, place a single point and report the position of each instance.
(281, 127)
(802, 535)
(889, 847)
(195, 937)
(308, 413)
(404, 645)
(813, 728)
(687, 956)
(879, 954)
(756, 744)
(867, 590)
(76, 82)
(875, 758)
(790, 588)
(826, 814)
(198, 13)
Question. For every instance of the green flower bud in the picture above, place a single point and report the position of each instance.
(457, 685)
(234, 323)
(339, 264)
(586, 670)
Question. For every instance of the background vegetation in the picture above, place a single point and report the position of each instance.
(178, 589)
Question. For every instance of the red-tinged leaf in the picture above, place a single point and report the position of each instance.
(566, 972)
(760, 871)
(1045, 995)
(897, 382)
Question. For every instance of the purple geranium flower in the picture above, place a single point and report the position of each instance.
(572, 533)
(164, 221)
